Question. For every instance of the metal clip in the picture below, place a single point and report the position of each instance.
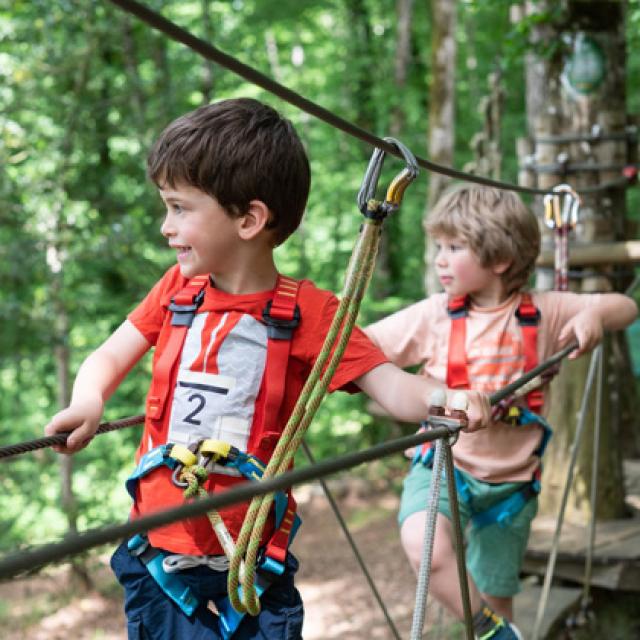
(570, 205)
(368, 205)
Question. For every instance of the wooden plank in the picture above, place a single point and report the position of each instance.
(561, 601)
(603, 253)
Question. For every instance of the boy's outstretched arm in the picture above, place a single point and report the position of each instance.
(405, 396)
(614, 311)
(98, 377)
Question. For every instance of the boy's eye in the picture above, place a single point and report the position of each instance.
(177, 208)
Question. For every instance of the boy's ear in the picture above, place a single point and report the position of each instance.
(254, 221)
(500, 267)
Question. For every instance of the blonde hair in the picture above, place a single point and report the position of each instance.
(496, 224)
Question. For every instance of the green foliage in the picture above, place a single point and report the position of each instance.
(84, 90)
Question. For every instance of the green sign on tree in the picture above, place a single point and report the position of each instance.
(585, 68)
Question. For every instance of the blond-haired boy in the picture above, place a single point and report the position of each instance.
(481, 333)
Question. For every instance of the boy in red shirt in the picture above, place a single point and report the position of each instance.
(481, 333)
(235, 179)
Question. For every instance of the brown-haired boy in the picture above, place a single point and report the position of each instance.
(234, 178)
(483, 332)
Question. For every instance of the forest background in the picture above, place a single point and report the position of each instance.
(84, 91)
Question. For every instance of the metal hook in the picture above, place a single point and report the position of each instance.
(396, 189)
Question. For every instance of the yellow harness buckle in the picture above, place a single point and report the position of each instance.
(216, 449)
(180, 453)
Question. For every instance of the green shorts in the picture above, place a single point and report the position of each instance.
(494, 552)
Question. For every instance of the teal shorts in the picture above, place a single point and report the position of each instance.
(494, 552)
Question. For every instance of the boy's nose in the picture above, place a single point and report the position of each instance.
(166, 228)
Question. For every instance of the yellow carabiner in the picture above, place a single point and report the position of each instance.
(398, 186)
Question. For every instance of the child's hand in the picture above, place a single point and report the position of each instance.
(585, 328)
(81, 419)
(479, 411)
(478, 408)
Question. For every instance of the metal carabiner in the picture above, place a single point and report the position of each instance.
(367, 204)
(570, 204)
(184, 460)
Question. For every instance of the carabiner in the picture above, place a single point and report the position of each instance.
(570, 204)
(371, 208)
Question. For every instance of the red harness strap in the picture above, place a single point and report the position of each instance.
(528, 318)
(184, 306)
(282, 316)
(457, 371)
(457, 374)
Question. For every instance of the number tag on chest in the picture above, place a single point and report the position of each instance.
(201, 409)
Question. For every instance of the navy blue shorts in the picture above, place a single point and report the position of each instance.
(152, 615)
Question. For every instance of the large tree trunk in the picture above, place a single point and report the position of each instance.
(441, 113)
(572, 94)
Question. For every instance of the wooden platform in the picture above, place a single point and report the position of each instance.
(616, 560)
(562, 600)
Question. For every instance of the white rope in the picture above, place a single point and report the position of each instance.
(422, 590)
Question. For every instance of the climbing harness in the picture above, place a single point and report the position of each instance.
(528, 316)
(561, 214)
(356, 280)
(503, 512)
(190, 468)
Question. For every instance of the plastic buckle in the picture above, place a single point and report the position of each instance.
(183, 313)
(528, 320)
(137, 545)
(280, 329)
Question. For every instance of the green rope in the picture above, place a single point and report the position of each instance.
(248, 543)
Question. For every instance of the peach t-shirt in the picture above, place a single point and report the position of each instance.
(419, 335)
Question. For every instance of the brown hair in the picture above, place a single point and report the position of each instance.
(496, 224)
(236, 151)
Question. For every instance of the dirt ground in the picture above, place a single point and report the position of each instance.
(338, 600)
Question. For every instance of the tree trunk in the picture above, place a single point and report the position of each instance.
(441, 113)
(207, 65)
(573, 93)
(388, 272)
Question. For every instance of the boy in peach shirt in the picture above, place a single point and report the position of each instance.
(481, 333)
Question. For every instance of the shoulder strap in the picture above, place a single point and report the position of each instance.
(528, 318)
(457, 375)
(282, 316)
(184, 305)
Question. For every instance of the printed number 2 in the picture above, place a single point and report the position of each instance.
(201, 400)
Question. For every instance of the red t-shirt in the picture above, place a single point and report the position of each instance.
(218, 388)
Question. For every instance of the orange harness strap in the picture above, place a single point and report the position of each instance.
(528, 316)
(184, 306)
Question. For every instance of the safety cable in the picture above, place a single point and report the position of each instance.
(208, 51)
(591, 535)
(459, 538)
(22, 561)
(582, 418)
(353, 545)
(158, 22)
(61, 438)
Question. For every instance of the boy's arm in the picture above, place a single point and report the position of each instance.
(613, 311)
(405, 396)
(98, 377)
